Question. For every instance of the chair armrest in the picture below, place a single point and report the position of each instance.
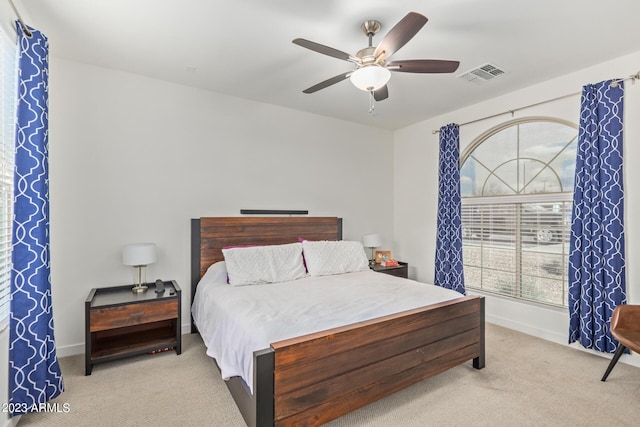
(626, 317)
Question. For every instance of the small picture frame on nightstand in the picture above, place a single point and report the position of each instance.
(382, 256)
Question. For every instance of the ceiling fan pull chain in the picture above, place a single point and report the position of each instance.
(372, 102)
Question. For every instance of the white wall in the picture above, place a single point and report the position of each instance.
(132, 159)
(416, 189)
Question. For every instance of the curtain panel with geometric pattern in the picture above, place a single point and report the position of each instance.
(597, 258)
(449, 272)
(34, 373)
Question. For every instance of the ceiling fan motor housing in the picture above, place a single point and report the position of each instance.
(367, 57)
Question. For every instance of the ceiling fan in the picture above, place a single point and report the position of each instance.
(372, 70)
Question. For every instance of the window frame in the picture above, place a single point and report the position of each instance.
(8, 105)
(517, 200)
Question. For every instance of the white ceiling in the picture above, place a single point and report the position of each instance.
(244, 48)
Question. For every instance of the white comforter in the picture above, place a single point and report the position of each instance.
(236, 321)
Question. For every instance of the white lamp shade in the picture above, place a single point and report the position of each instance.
(370, 78)
(371, 241)
(139, 254)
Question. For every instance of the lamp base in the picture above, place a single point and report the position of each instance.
(139, 289)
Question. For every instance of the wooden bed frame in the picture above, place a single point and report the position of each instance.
(312, 379)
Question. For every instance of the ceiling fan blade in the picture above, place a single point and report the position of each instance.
(381, 94)
(423, 66)
(328, 82)
(326, 50)
(399, 35)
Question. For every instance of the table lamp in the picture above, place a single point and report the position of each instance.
(139, 255)
(371, 241)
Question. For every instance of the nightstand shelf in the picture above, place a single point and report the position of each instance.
(130, 343)
(401, 270)
(120, 323)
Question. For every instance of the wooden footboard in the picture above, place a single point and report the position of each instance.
(322, 376)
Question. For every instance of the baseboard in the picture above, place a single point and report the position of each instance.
(527, 329)
(13, 421)
(70, 350)
(629, 359)
(75, 349)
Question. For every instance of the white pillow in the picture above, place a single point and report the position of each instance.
(216, 273)
(324, 257)
(264, 264)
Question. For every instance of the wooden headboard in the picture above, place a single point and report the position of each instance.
(209, 235)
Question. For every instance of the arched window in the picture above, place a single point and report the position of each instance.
(517, 187)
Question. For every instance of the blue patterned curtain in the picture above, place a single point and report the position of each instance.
(34, 373)
(448, 270)
(596, 257)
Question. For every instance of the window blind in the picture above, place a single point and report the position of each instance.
(8, 82)
(518, 249)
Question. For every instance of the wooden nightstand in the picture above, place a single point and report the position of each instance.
(401, 271)
(120, 323)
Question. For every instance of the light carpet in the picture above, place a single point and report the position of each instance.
(527, 382)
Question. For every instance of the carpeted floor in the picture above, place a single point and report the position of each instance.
(527, 382)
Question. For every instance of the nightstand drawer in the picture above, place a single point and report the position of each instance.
(401, 270)
(132, 314)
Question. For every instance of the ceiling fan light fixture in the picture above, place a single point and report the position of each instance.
(370, 78)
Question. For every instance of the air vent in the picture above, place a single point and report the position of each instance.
(482, 73)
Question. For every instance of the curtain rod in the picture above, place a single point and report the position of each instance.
(25, 29)
(614, 83)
